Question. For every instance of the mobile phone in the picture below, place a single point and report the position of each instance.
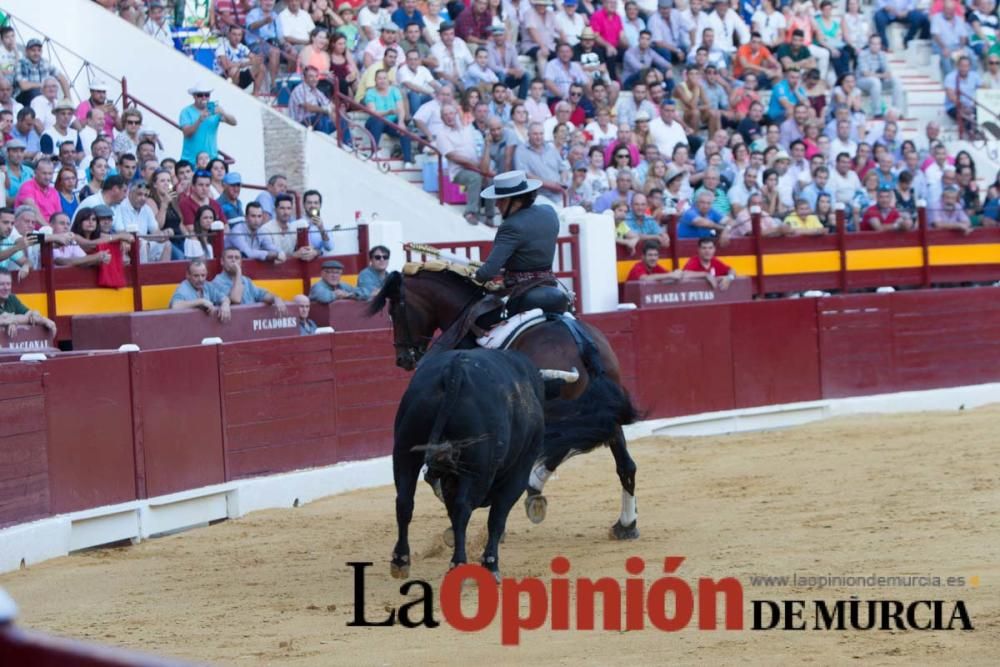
(37, 237)
(211, 107)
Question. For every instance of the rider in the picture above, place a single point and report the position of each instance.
(525, 244)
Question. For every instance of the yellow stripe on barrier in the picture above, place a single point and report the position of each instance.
(94, 301)
(157, 297)
(952, 255)
(780, 264)
(286, 288)
(884, 258)
(35, 301)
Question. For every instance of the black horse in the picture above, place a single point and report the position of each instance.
(476, 419)
(428, 301)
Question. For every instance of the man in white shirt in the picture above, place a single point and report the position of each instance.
(667, 131)
(157, 26)
(416, 81)
(563, 112)
(296, 24)
(452, 54)
(371, 18)
(428, 118)
(844, 182)
(44, 105)
(569, 24)
(725, 23)
(842, 143)
(457, 143)
(60, 132)
(132, 215)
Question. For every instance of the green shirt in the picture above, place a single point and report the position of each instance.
(13, 306)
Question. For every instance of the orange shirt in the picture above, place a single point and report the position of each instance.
(745, 53)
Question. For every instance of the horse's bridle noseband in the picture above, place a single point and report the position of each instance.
(416, 347)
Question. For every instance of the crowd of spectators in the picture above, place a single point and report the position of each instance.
(789, 105)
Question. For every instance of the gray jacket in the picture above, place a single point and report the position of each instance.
(526, 241)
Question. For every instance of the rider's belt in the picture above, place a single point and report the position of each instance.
(524, 276)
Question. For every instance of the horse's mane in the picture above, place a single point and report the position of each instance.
(444, 273)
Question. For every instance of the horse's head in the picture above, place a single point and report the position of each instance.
(413, 322)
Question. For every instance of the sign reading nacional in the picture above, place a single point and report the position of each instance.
(27, 338)
(660, 294)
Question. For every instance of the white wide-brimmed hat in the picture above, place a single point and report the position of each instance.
(200, 87)
(510, 184)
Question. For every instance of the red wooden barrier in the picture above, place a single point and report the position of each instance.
(278, 405)
(24, 465)
(855, 337)
(91, 457)
(178, 419)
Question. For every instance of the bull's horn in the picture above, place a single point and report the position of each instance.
(569, 377)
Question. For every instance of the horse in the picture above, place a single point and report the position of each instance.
(427, 301)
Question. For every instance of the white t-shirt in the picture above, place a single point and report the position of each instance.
(455, 61)
(43, 111)
(422, 78)
(570, 28)
(666, 138)
(770, 26)
(296, 26)
(369, 19)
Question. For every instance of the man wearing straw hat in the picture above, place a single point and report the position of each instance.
(525, 244)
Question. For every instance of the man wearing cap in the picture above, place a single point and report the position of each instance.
(229, 200)
(32, 70)
(388, 40)
(670, 37)
(503, 60)
(99, 100)
(133, 216)
(157, 26)
(39, 192)
(17, 171)
(329, 288)
(452, 55)
(196, 292)
(473, 24)
(525, 244)
(60, 132)
(232, 282)
(200, 124)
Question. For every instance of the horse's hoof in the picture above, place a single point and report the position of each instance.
(449, 537)
(535, 505)
(620, 532)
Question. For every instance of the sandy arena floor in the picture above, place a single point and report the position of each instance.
(888, 495)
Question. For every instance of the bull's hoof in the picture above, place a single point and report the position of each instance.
(620, 532)
(490, 563)
(449, 537)
(535, 505)
(436, 485)
(399, 567)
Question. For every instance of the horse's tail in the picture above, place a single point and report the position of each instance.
(440, 456)
(595, 416)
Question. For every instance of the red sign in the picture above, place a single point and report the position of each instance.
(661, 294)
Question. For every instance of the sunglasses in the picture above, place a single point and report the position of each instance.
(380, 256)
(622, 155)
(131, 122)
(994, 62)
(203, 94)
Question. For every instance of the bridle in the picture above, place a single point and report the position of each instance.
(414, 347)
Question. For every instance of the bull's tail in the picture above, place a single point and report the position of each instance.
(439, 455)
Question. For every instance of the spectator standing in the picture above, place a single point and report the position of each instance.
(373, 276)
(200, 123)
(329, 287)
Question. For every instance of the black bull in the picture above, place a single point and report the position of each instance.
(476, 418)
(429, 301)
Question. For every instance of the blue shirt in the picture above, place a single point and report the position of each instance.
(230, 209)
(646, 226)
(782, 90)
(14, 183)
(186, 292)
(251, 293)
(686, 228)
(400, 18)
(323, 293)
(252, 247)
(967, 86)
(270, 30)
(204, 138)
(368, 283)
(32, 140)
